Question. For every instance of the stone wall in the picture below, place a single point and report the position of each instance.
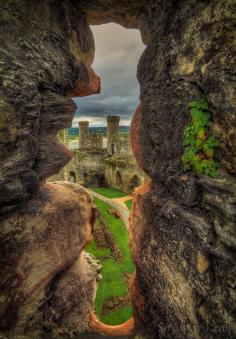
(93, 167)
(95, 141)
(123, 174)
(89, 140)
(47, 283)
(112, 134)
(124, 147)
(83, 134)
(88, 166)
(183, 246)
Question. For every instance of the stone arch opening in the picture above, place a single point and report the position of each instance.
(118, 146)
(85, 178)
(175, 222)
(118, 149)
(118, 178)
(72, 176)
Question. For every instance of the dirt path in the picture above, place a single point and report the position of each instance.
(123, 210)
(122, 200)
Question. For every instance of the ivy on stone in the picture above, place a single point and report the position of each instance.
(200, 144)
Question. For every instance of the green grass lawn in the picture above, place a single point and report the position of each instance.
(120, 234)
(97, 252)
(112, 283)
(118, 317)
(129, 203)
(109, 192)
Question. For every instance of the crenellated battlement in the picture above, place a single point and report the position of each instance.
(113, 118)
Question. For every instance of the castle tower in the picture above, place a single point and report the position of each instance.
(112, 133)
(83, 134)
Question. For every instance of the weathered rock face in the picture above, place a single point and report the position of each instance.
(47, 281)
(182, 226)
(45, 57)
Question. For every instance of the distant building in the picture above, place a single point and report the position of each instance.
(103, 160)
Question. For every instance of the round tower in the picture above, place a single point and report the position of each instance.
(83, 134)
(112, 133)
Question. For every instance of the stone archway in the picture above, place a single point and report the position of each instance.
(86, 179)
(181, 227)
(118, 178)
(72, 177)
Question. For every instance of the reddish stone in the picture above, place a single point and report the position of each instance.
(135, 133)
(83, 88)
(124, 329)
(138, 302)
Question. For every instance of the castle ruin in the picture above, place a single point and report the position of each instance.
(103, 160)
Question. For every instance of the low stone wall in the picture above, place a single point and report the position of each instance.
(110, 239)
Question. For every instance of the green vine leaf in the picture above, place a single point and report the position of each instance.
(192, 104)
(200, 145)
(203, 104)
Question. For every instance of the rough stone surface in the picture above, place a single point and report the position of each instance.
(88, 166)
(46, 279)
(65, 310)
(45, 57)
(182, 226)
(123, 173)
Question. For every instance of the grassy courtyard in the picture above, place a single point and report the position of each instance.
(113, 283)
(129, 203)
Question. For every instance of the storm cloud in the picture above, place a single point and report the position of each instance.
(116, 57)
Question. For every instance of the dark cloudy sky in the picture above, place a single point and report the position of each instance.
(116, 57)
